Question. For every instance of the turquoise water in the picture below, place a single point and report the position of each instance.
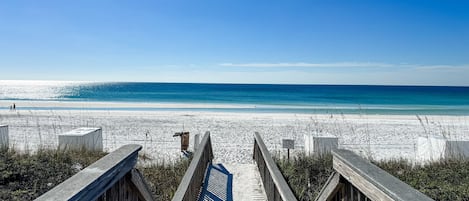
(259, 98)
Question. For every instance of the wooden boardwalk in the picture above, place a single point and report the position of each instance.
(114, 177)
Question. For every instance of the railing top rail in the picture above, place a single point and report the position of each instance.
(94, 180)
(186, 180)
(282, 186)
(372, 180)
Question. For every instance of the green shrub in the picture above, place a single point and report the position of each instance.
(306, 174)
(25, 176)
(444, 180)
(164, 178)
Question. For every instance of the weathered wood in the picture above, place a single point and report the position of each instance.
(122, 190)
(191, 183)
(93, 181)
(275, 186)
(330, 188)
(140, 184)
(372, 181)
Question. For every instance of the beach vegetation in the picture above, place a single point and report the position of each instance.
(26, 176)
(447, 179)
(163, 177)
(306, 174)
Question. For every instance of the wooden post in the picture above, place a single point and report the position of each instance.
(196, 142)
(184, 139)
(288, 144)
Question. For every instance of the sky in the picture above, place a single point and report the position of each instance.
(395, 42)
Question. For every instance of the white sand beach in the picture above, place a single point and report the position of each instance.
(378, 136)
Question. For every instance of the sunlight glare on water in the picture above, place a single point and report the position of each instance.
(36, 90)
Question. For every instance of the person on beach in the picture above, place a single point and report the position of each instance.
(14, 106)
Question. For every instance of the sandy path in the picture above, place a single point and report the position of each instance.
(247, 183)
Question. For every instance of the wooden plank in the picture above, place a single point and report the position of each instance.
(117, 191)
(142, 187)
(93, 181)
(372, 181)
(279, 183)
(330, 188)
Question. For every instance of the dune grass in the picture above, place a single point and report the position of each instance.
(163, 178)
(25, 176)
(306, 174)
(442, 180)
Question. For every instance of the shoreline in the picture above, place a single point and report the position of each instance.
(334, 109)
(115, 104)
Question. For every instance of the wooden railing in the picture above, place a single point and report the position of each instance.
(357, 179)
(112, 177)
(276, 188)
(191, 183)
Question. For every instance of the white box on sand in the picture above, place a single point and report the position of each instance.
(457, 149)
(434, 148)
(4, 135)
(320, 144)
(430, 148)
(87, 138)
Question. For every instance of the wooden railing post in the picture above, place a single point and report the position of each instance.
(276, 188)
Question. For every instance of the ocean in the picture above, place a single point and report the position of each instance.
(334, 99)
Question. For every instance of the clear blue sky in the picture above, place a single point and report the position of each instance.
(321, 42)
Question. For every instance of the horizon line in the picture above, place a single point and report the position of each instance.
(237, 83)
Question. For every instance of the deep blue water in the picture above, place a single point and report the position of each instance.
(265, 98)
